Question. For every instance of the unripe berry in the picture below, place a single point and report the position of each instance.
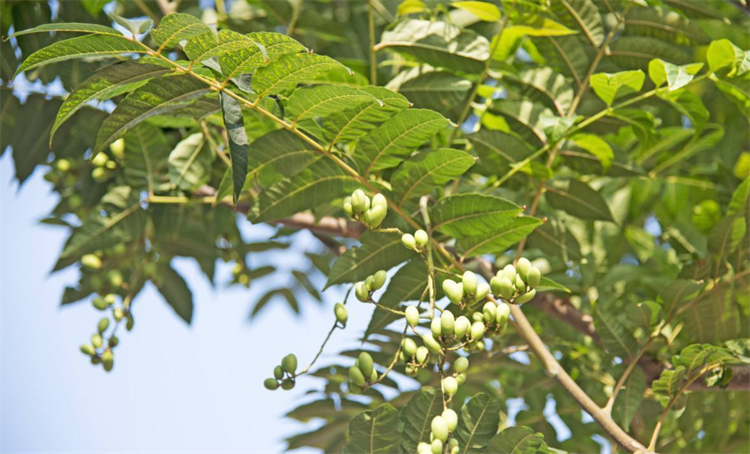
(455, 450)
(113, 341)
(520, 284)
(452, 443)
(526, 297)
(111, 165)
(375, 216)
(361, 292)
(378, 279)
(436, 447)
(534, 277)
(461, 364)
(99, 303)
(489, 311)
(289, 364)
(432, 344)
(477, 317)
(409, 347)
(91, 262)
(411, 370)
(506, 288)
(96, 340)
(480, 345)
(379, 201)
(482, 291)
(523, 266)
(103, 325)
(509, 272)
(502, 313)
(462, 326)
(287, 384)
(374, 376)
(341, 315)
(360, 201)
(439, 428)
(412, 316)
(99, 174)
(108, 360)
(453, 291)
(447, 323)
(271, 384)
(88, 349)
(408, 241)
(470, 283)
(422, 354)
(421, 237)
(436, 327)
(356, 377)
(109, 299)
(460, 378)
(278, 372)
(477, 330)
(118, 147)
(348, 209)
(450, 386)
(424, 448)
(369, 283)
(100, 160)
(129, 322)
(365, 364)
(451, 418)
(119, 314)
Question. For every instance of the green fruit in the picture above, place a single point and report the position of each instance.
(278, 372)
(447, 323)
(482, 291)
(108, 360)
(526, 297)
(361, 292)
(411, 370)
(99, 174)
(91, 262)
(412, 316)
(374, 376)
(355, 389)
(489, 311)
(423, 353)
(103, 325)
(379, 200)
(369, 282)
(360, 201)
(100, 160)
(409, 347)
(470, 283)
(436, 327)
(111, 165)
(271, 384)
(460, 379)
(455, 450)
(287, 384)
(432, 344)
(506, 288)
(453, 291)
(477, 317)
(502, 313)
(424, 448)
(289, 364)
(356, 377)
(409, 241)
(95, 360)
(341, 315)
(452, 442)
(439, 428)
(477, 330)
(480, 346)
(119, 314)
(436, 447)
(523, 266)
(62, 165)
(348, 209)
(88, 349)
(462, 326)
(365, 364)
(534, 277)
(118, 147)
(110, 299)
(451, 418)
(509, 272)
(129, 322)
(375, 216)
(520, 284)
(113, 341)
(99, 303)
(97, 341)
(450, 386)
(378, 279)
(461, 364)
(421, 237)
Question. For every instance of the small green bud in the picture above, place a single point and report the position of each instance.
(489, 311)
(460, 379)
(287, 384)
(451, 418)
(379, 200)
(436, 447)
(509, 272)
(99, 303)
(453, 291)
(526, 297)
(452, 442)
(114, 341)
(409, 347)
(455, 450)
(523, 266)
(278, 372)
(470, 283)
(461, 364)
(369, 283)
(534, 277)
(129, 322)
(421, 237)
(424, 448)
(91, 262)
(361, 292)
(341, 315)
(477, 330)
(502, 313)
(462, 326)
(119, 314)
(348, 209)
(271, 384)
(118, 147)
(356, 377)
(436, 327)
(97, 341)
(412, 316)
(408, 241)
(495, 285)
(111, 165)
(480, 346)
(100, 160)
(378, 279)
(289, 364)
(477, 317)
(62, 165)
(506, 288)
(450, 386)
(88, 349)
(103, 325)
(110, 299)
(439, 428)
(99, 174)
(360, 201)
(482, 291)
(423, 353)
(108, 360)
(365, 364)
(447, 323)
(520, 284)
(374, 376)
(432, 344)
(375, 216)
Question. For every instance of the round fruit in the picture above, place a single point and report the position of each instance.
(461, 364)
(452, 442)
(118, 147)
(289, 364)
(88, 349)
(360, 201)
(341, 315)
(436, 447)
(278, 372)
(411, 370)
(477, 317)
(365, 364)
(460, 379)
(408, 241)
(378, 279)
(63, 165)
(453, 291)
(523, 266)
(502, 313)
(91, 262)
(375, 216)
(119, 314)
(432, 344)
(422, 354)
(424, 448)
(356, 377)
(436, 327)
(526, 297)
(447, 323)
(509, 272)
(439, 428)
(520, 284)
(462, 326)
(287, 384)
(450, 386)
(379, 201)
(271, 384)
(99, 303)
(455, 450)
(506, 288)
(421, 237)
(470, 283)
(361, 292)
(477, 330)
(451, 418)
(348, 209)
(96, 340)
(489, 310)
(534, 277)
(412, 316)
(108, 360)
(409, 347)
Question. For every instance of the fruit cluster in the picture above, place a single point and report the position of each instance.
(415, 242)
(441, 429)
(360, 207)
(466, 292)
(363, 290)
(363, 373)
(283, 375)
(516, 284)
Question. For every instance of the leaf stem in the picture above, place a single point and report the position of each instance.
(430, 265)
(373, 56)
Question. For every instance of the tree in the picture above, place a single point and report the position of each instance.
(580, 163)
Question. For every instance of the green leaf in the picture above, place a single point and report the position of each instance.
(83, 46)
(737, 90)
(210, 45)
(674, 76)
(290, 70)
(498, 150)
(417, 415)
(406, 285)
(177, 27)
(609, 87)
(500, 239)
(136, 27)
(565, 54)
(665, 24)
(379, 251)
(321, 182)
(579, 200)
(235, 126)
(323, 100)
(629, 398)
(548, 285)
(388, 144)
(525, 25)
(582, 15)
(727, 235)
(518, 440)
(111, 81)
(677, 293)
(597, 147)
(175, 291)
(694, 357)
(424, 171)
(667, 385)
(410, 7)
(375, 431)
(635, 52)
(190, 162)
(546, 86)
(438, 90)
(690, 105)
(277, 155)
(478, 423)
(465, 215)
(484, 11)
(247, 59)
(723, 54)
(740, 198)
(615, 336)
(157, 97)
(146, 150)
(526, 113)
(71, 27)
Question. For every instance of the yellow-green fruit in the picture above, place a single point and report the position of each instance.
(91, 262)
(278, 372)
(113, 341)
(99, 303)
(119, 314)
(480, 345)
(374, 376)
(477, 317)
(482, 291)
(502, 313)
(408, 241)
(115, 278)
(526, 297)
(462, 326)
(439, 428)
(62, 165)
(534, 277)
(100, 160)
(375, 216)
(341, 315)
(88, 349)
(95, 360)
(361, 292)
(289, 364)
(108, 360)
(421, 237)
(436, 327)
(460, 379)
(103, 325)
(477, 330)
(99, 174)
(379, 200)
(378, 279)
(432, 344)
(111, 165)
(455, 450)
(360, 201)
(409, 347)
(461, 364)
(424, 448)
(436, 447)
(110, 299)
(523, 266)
(506, 288)
(453, 291)
(422, 354)
(348, 209)
(411, 370)
(96, 340)
(365, 364)
(469, 281)
(488, 311)
(452, 443)
(451, 418)
(447, 323)
(118, 148)
(509, 272)
(356, 377)
(450, 386)
(369, 282)
(412, 316)
(271, 384)
(287, 384)
(520, 284)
